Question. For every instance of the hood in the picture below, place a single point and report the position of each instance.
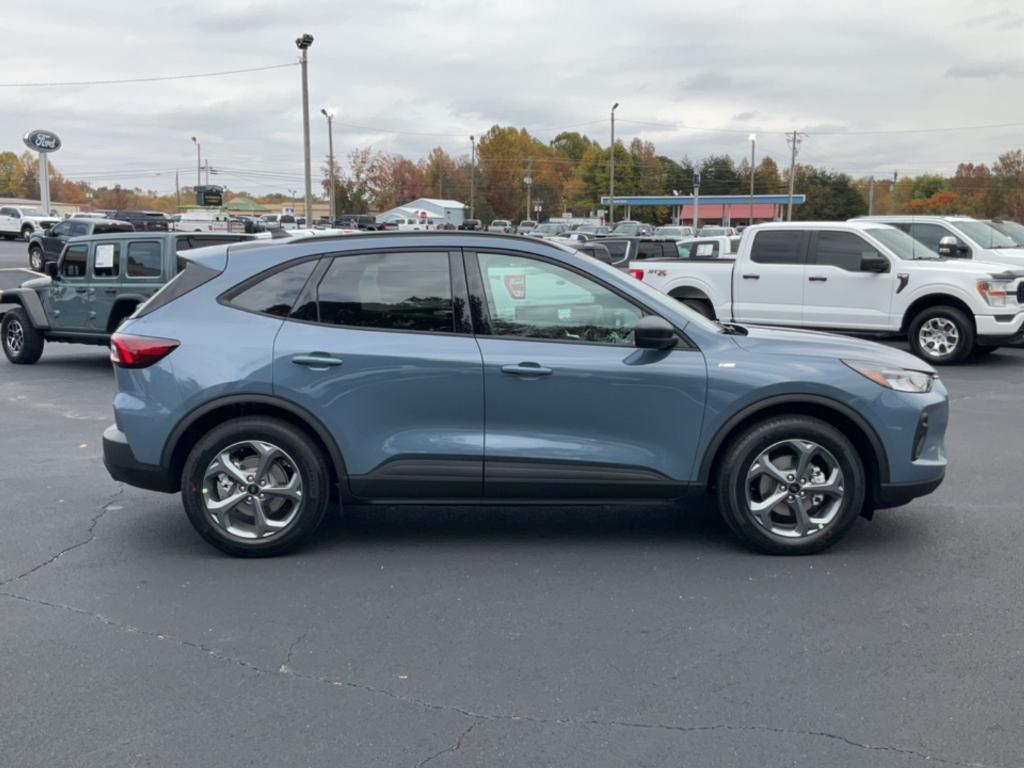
(778, 341)
(1014, 256)
(970, 267)
(41, 219)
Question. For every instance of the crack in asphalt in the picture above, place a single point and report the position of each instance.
(453, 748)
(479, 717)
(286, 667)
(90, 537)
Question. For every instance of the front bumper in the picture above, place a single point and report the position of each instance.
(124, 467)
(897, 494)
(1000, 329)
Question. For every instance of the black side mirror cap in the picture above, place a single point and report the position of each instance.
(878, 264)
(50, 268)
(653, 332)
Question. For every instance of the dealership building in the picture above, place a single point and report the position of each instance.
(429, 209)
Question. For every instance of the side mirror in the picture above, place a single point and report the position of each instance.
(874, 263)
(51, 269)
(653, 332)
(951, 249)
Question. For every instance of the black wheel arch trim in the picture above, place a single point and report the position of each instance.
(29, 301)
(311, 421)
(771, 402)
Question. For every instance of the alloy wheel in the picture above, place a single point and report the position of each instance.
(938, 337)
(252, 490)
(795, 488)
(35, 259)
(15, 337)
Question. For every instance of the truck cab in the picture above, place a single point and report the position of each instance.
(958, 237)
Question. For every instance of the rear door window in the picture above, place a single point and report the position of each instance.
(388, 291)
(778, 247)
(144, 259)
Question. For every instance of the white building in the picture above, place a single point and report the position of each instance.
(437, 211)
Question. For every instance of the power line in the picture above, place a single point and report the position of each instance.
(149, 79)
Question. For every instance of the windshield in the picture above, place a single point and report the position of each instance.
(1011, 228)
(32, 212)
(712, 232)
(984, 234)
(549, 228)
(902, 244)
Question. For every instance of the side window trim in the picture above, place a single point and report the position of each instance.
(481, 312)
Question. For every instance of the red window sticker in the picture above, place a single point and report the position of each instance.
(516, 286)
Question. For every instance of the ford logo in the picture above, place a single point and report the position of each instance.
(42, 141)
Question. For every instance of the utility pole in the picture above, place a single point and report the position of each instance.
(303, 44)
(329, 114)
(794, 141)
(529, 184)
(895, 176)
(871, 196)
(177, 192)
(199, 162)
(611, 190)
(472, 177)
(206, 166)
(753, 141)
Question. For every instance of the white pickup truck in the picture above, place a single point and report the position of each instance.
(858, 277)
(24, 220)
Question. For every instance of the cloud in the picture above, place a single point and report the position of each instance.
(705, 81)
(742, 117)
(986, 70)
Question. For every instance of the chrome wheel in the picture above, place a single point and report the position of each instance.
(795, 488)
(938, 337)
(252, 490)
(14, 339)
(35, 260)
(26, 234)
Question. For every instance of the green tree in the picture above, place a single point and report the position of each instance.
(12, 175)
(830, 195)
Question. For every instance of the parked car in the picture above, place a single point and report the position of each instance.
(707, 247)
(858, 276)
(279, 221)
(526, 226)
(411, 224)
(958, 237)
(500, 225)
(673, 232)
(143, 221)
(550, 229)
(794, 434)
(596, 230)
(357, 221)
(626, 249)
(632, 229)
(1012, 229)
(200, 220)
(46, 246)
(24, 221)
(710, 230)
(471, 225)
(97, 282)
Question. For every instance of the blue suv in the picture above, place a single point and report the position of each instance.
(270, 379)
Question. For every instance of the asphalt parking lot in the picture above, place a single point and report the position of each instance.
(632, 635)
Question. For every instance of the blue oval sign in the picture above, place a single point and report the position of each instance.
(42, 141)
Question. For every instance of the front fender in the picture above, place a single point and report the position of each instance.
(29, 300)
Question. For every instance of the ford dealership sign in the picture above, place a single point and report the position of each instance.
(42, 141)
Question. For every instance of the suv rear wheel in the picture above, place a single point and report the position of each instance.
(35, 258)
(22, 342)
(255, 487)
(791, 485)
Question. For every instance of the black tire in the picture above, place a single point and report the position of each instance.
(732, 478)
(26, 233)
(302, 452)
(36, 260)
(22, 342)
(701, 307)
(943, 315)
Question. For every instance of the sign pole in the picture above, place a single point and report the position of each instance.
(44, 182)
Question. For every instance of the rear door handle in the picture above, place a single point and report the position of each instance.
(818, 279)
(317, 360)
(751, 277)
(110, 290)
(527, 369)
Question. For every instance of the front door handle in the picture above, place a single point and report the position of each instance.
(316, 360)
(527, 369)
(751, 277)
(818, 279)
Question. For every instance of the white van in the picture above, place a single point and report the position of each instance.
(203, 221)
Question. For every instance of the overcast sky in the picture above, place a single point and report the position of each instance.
(837, 70)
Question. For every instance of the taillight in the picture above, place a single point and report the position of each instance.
(139, 351)
(637, 273)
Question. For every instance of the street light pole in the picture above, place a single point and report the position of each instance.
(329, 114)
(611, 190)
(753, 141)
(199, 162)
(472, 177)
(303, 44)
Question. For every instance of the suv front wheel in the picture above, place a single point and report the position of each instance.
(255, 487)
(791, 485)
(22, 342)
(35, 258)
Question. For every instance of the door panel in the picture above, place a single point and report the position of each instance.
(573, 409)
(837, 294)
(68, 297)
(768, 285)
(405, 407)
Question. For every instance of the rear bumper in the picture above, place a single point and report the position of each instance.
(897, 494)
(124, 467)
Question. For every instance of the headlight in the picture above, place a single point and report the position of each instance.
(892, 377)
(995, 292)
